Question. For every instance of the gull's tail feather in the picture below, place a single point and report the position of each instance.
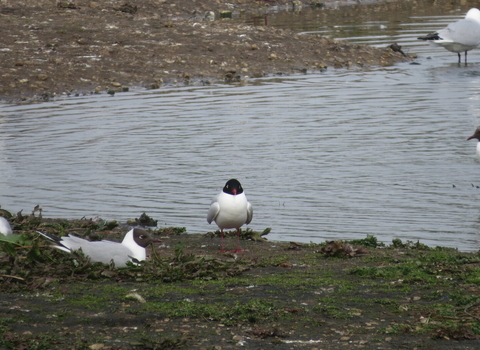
(57, 240)
(432, 36)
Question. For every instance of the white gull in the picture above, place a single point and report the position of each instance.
(5, 227)
(476, 135)
(230, 209)
(460, 36)
(132, 246)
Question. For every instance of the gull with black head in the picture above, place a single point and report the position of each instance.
(476, 135)
(132, 247)
(230, 209)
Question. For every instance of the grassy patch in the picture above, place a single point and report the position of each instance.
(189, 292)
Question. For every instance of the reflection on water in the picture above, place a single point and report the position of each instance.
(336, 155)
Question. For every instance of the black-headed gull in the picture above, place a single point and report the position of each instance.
(230, 209)
(476, 135)
(132, 246)
(5, 227)
(460, 36)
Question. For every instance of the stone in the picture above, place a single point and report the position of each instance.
(97, 346)
(42, 77)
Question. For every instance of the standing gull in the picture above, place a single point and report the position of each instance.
(132, 246)
(463, 35)
(476, 135)
(230, 209)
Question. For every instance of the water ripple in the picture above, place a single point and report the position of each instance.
(336, 155)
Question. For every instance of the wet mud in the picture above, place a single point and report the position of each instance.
(273, 295)
(59, 48)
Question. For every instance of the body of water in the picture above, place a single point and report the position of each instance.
(334, 155)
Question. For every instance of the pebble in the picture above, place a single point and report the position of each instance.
(97, 346)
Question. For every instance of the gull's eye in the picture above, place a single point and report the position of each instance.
(142, 236)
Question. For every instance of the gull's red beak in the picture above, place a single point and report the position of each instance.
(234, 192)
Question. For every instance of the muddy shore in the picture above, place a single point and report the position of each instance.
(49, 48)
(273, 295)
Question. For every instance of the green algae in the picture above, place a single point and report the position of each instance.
(272, 292)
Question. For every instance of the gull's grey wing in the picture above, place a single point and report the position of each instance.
(249, 213)
(213, 211)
